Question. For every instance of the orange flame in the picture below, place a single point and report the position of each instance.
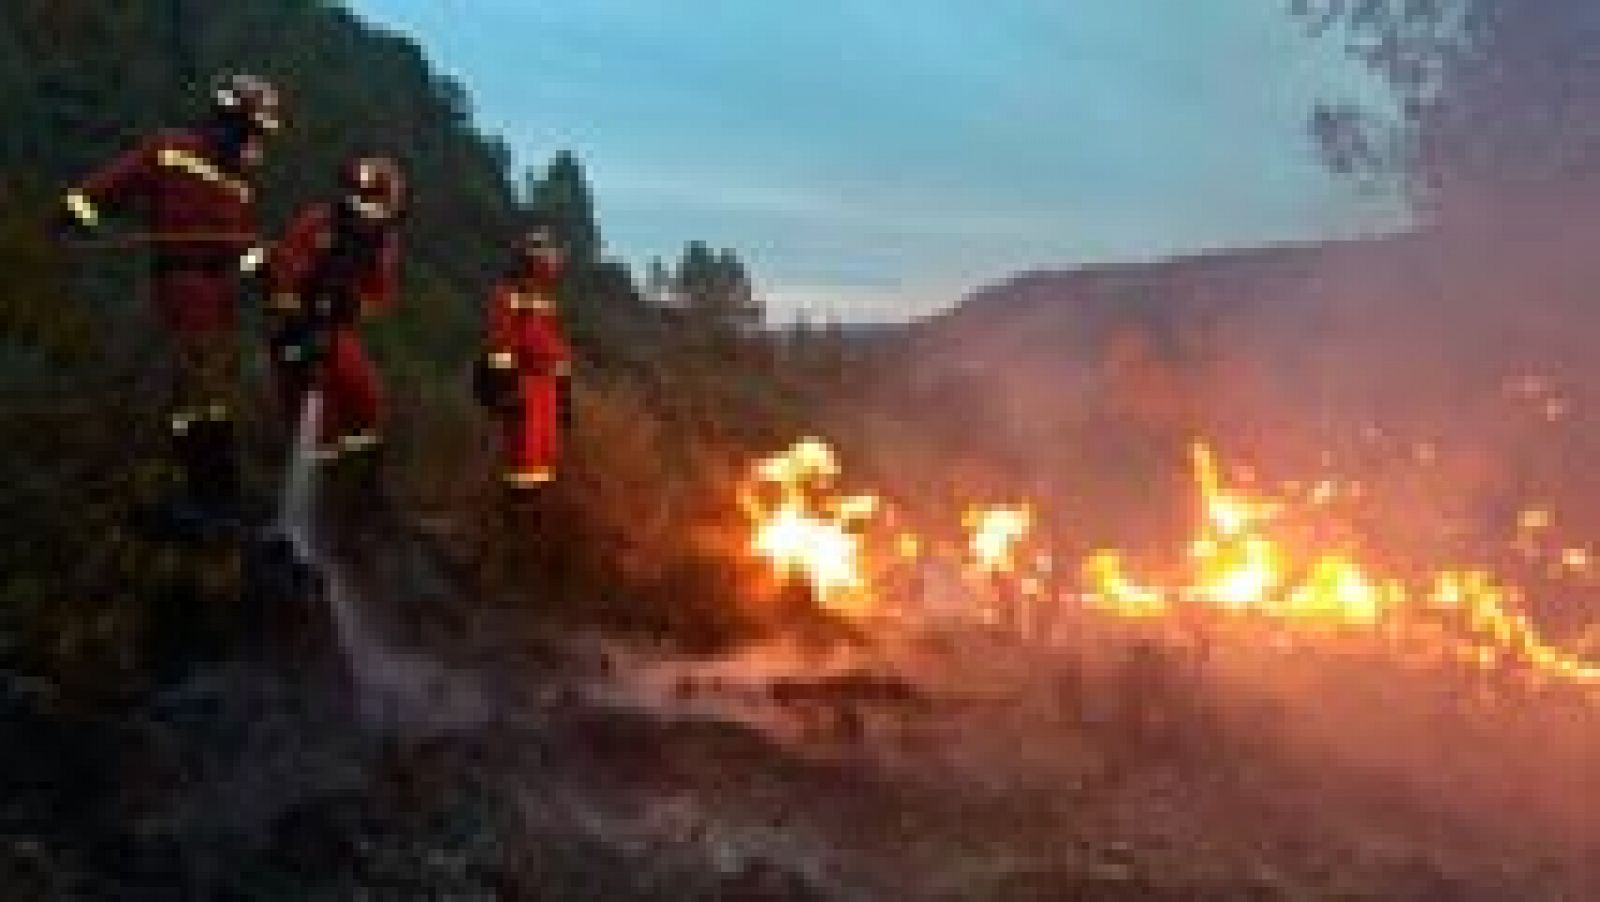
(805, 533)
(1238, 564)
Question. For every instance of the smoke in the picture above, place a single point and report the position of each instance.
(396, 689)
(1447, 371)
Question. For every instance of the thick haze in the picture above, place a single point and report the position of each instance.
(874, 164)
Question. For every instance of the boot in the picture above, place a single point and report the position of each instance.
(529, 519)
(525, 510)
(367, 486)
(359, 508)
(511, 524)
(179, 516)
(214, 480)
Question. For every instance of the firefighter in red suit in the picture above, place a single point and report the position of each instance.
(337, 265)
(194, 190)
(525, 371)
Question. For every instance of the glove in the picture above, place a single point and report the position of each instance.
(496, 383)
(70, 222)
(340, 309)
(299, 343)
(251, 261)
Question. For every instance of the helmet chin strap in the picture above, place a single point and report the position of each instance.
(228, 137)
(352, 217)
(365, 210)
(358, 234)
(541, 270)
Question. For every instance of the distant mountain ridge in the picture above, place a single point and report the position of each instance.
(1209, 283)
(1090, 384)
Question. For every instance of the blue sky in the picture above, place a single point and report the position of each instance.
(876, 159)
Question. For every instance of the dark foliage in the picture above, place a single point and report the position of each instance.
(1495, 101)
(671, 402)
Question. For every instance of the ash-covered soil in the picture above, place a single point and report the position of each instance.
(919, 767)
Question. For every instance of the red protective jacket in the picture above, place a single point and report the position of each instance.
(525, 334)
(303, 265)
(175, 180)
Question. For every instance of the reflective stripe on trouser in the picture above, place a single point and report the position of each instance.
(349, 444)
(529, 478)
(531, 440)
(205, 379)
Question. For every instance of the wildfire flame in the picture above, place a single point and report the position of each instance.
(805, 532)
(1238, 566)
(997, 532)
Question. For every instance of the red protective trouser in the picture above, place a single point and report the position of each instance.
(532, 435)
(352, 401)
(197, 308)
(196, 299)
(351, 397)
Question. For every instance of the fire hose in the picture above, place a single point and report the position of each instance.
(155, 239)
(253, 249)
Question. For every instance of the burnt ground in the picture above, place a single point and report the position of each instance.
(539, 763)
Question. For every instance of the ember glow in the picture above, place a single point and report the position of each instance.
(1247, 570)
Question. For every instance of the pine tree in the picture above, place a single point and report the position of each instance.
(659, 286)
(717, 293)
(561, 198)
(737, 294)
